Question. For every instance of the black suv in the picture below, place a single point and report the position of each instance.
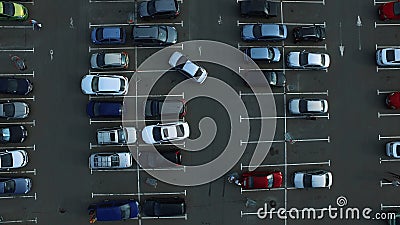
(309, 33)
(154, 35)
(158, 9)
(262, 8)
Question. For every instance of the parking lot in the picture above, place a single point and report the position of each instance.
(348, 141)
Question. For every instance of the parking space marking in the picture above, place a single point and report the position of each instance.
(387, 114)
(378, 92)
(170, 23)
(286, 46)
(238, 23)
(387, 137)
(309, 2)
(20, 172)
(32, 123)
(282, 141)
(19, 196)
(15, 27)
(18, 50)
(111, 72)
(19, 147)
(91, 146)
(275, 212)
(147, 145)
(380, 2)
(261, 189)
(386, 68)
(138, 169)
(389, 206)
(19, 221)
(115, 1)
(282, 117)
(286, 164)
(388, 160)
(381, 183)
(386, 24)
(165, 217)
(283, 93)
(131, 121)
(18, 99)
(94, 195)
(18, 74)
(131, 48)
(281, 69)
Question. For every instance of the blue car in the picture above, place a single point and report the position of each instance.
(264, 32)
(113, 210)
(96, 109)
(108, 35)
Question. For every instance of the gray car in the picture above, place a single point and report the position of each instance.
(116, 60)
(110, 160)
(12, 186)
(267, 54)
(116, 135)
(264, 32)
(14, 110)
(154, 35)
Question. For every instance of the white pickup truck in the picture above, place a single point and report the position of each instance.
(116, 135)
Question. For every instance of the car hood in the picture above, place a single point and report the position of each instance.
(172, 35)
(298, 180)
(277, 55)
(21, 110)
(147, 135)
(86, 84)
(93, 61)
(293, 59)
(142, 8)
(247, 32)
(20, 158)
(130, 135)
(22, 185)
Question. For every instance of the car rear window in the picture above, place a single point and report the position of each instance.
(157, 133)
(303, 59)
(307, 180)
(6, 160)
(100, 59)
(281, 31)
(99, 34)
(179, 130)
(390, 55)
(12, 85)
(8, 8)
(257, 31)
(303, 106)
(9, 110)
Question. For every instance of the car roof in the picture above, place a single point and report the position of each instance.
(109, 83)
(314, 58)
(145, 31)
(270, 29)
(315, 105)
(111, 32)
(113, 212)
(165, 5)
(259, 53)
(112, 58)
(190, 68)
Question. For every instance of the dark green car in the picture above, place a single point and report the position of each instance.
(13, 11)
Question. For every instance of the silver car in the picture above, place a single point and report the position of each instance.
(313, 179)
(117, 60)
(13, 159)
(110, 160)
(308, 60)
(116, 135)
(187, 67)
(308, 106)
(104, 85)
(393, 149)
(14, 110)
(388, 57)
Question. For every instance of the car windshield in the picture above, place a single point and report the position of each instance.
(257, 31)
(390, 55)
(151, 7)
(322, 59)
(327, 180)
(95, 84)
(162, 33)
(5, 135)
(112, 137)
(100, 59)
(273, 78)
(303, 59)
(8, 8)
(157, 133)
(122, 86)
(6, 160)
(9, 186)
(12, 85)
(125, 211)
(198, 73)
(303, 106)
(396, 8)
(99, 34)
(281, 31)
(180, 130)
(121, 135)
(397, 149)
(270, 178)
(8, 110)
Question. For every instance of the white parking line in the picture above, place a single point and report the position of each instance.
(17, 50)
(138, 194)
(15, 27)
(389, 206)
(381, 183)
(171, 23)
(114, 1)
(19, 221)
(109, 25)
(287, 164)
(378, 68)
(281, 69)
(380, 2)
(388, 160)
(147, 145)
(91, 146)
(20, 172)
(378, 92)
(387, 114)
(111, 72)
(310, 2)
(386, 24)
(238, 23)
(32, 123)
(18, 99)
(286, 46)
(139, 169)
(287, 93)
(110, 48)
(164, 217)
(282, 141)
(19, 147)
(263, 189)
(19, 196)
(281, 117)
(387, 137)
(18, 74)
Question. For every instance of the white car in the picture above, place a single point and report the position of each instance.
(388, 57)
(13, 159)
(116, 135)
(110, 160)
(307, 106)
(118, 60)
(313, 179)
(187, 67)
(160, 133)
(308, 60)
(393, 149)
(104, 85)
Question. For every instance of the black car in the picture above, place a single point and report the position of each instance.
(309, 33)
(17, 86)
(96, 109)
(158, 108)
(276, 78)
(13, 134)
(154, 35)
(159, 9)
(262, 8)
(164, 207)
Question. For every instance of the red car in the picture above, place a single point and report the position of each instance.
(390, 11)
(393, 100)
(261, 180)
